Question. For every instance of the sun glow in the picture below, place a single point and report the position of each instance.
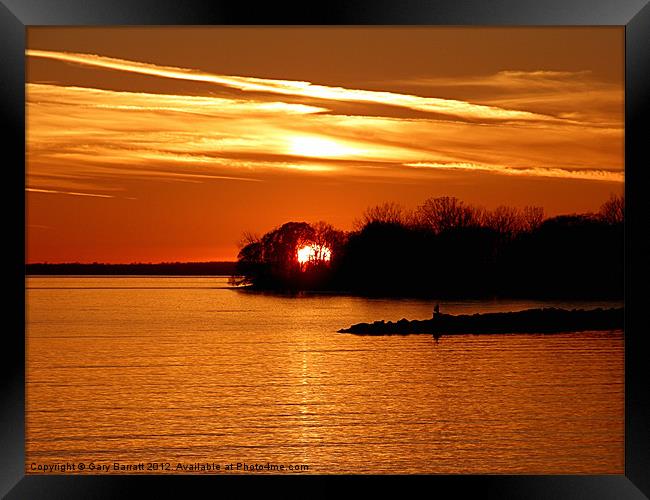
(319, 148)
(313, 253)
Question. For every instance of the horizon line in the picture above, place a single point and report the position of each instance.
(131, 263)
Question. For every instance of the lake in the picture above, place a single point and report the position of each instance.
(190, 371)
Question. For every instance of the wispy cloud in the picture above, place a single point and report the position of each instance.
(298, 88)
(72, 193)
(203, 153)
(188, 104)
(88, 139)
(573, 95)
(565, 173)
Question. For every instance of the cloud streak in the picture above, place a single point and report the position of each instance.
(72, 193)
(82, 138)
(553, 172)
(574, 95)
(298, 88)
(173, 163)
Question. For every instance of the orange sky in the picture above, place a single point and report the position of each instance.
(166, 144)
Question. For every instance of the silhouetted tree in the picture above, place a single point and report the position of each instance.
(279, 246)
(533, 217)
(272, 260)
(569, 255)
(249, 264)
(381, 257)
(326, 236)
(507, 221)
(390, 213)
(445, 213)
(613, 210)
(248, 238)
(448, 248)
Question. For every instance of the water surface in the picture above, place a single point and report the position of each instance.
(188, 370)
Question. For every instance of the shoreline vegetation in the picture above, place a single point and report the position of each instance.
(544, 321)
(445, 249)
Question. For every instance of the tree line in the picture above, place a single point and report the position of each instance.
(447, 248)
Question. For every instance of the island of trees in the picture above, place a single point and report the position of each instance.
(445, 248)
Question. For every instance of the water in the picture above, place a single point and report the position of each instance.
(171, 370)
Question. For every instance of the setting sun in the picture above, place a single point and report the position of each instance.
(314, 253)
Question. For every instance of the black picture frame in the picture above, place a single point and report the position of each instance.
(17, 15)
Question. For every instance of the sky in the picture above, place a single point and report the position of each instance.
(159, 144)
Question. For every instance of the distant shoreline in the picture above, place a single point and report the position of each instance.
(217, 268)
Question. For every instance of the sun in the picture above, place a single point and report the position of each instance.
(318, 147)
(313, 253)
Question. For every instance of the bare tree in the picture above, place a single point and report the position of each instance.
(442, 214)
(326, 238)
(388, 213)
(248, 238)
(613, 210)
(505, 220)
(532, 218)
(248, 260)
(410, 218)
(279, 246)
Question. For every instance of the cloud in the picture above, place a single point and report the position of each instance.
(576, 96)
(296, 88)
(52, 191)
(554, 172)
(187, 104)
(89, 139)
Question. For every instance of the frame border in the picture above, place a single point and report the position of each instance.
(17, 15)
